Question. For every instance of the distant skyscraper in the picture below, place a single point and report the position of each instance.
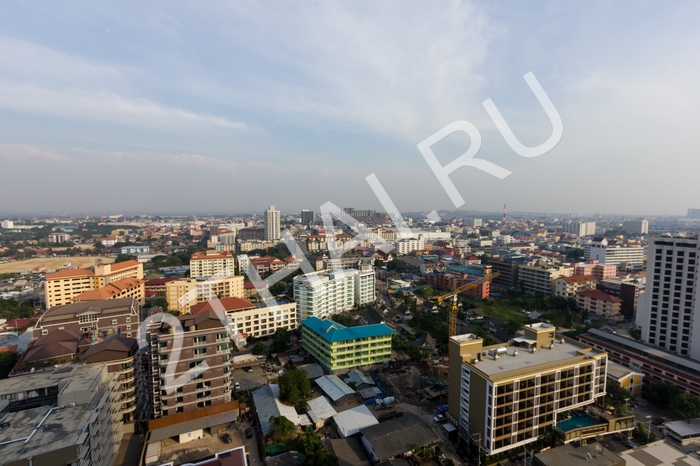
(669, 313)
(307, 217)
(636, 227)
(694, 213)
(272, 224)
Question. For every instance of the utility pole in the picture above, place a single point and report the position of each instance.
(649, 429)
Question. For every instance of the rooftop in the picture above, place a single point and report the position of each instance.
(67, 273)
(600, 295)
(587, 455)
(397, 436)
(90, 306)
(334, 387)
(618, 371)
(229, 304)
(526, 361)
(333, 331)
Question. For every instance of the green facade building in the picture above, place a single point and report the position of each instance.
(337, 347)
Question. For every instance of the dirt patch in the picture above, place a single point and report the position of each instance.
(28, 265)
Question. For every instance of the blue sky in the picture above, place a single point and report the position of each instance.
(233, 106)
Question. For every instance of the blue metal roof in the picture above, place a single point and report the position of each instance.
(333, 331)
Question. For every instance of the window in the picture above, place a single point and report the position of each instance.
(128, 319)
(45, 332)
(114, 321)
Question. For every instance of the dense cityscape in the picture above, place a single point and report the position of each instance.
(477, 339)
(393, 233)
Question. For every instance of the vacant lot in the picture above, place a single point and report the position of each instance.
(51, 263)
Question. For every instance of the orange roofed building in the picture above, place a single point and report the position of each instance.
(61, 287)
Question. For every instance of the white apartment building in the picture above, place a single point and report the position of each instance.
(272, 224)
(58, 237)
(611, 253)
(322, 294)
(504, 240)
(406, 246)
(8, 224)
(541, 277)
(212, 264)
(256, 320)
(579, 228)
(365, 285)
(636, 227)
(669, 311)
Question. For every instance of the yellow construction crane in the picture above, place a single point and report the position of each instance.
(456, 290)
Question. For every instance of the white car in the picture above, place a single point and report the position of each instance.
(237, 386)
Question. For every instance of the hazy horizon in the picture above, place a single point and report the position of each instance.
(228, 107)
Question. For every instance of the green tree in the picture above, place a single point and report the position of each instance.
(314, 452)
(124, 258)
(662, 394)
(281, 427)
(162, 303)
(484, 335)
(8, 359)
(343, 319)
(378, 263)
(294, 386)
(281, 341)
(617, 397)
(261, 349)
(686, 405)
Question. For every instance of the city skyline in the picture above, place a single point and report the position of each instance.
(199, 107)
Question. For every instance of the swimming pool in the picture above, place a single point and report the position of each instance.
(577, 421)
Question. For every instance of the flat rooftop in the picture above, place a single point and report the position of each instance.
(75, 377)
(40, 430)
(526, 361)
(587, 455)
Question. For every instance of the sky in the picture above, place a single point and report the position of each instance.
(227, 107)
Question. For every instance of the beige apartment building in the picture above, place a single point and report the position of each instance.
(256, 320)
(212, 263)
(600, 303)
(205, 339)
(184, 293)
(540, 277)
(505, 396)
(567, 287)
(61, 287)
(122, 288)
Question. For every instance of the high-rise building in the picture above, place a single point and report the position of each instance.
(9, 224)
(611, 252)
(212, 263)
(322, 294)
(636, 227)
(692, 213)
(505, 396)
(272, 224)
(365, 284)
(204, 339)
(65, 416)
(579, 228)
(669, 313)
(307, 217)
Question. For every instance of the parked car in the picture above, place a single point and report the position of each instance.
(248, 433)
(225, 437)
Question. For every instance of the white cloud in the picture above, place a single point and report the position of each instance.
(39, 80)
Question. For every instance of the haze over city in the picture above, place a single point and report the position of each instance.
(234, 106)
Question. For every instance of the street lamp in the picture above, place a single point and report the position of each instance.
(649, 429)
